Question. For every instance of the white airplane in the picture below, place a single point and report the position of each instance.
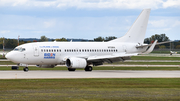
(83, 54)
(172, 52)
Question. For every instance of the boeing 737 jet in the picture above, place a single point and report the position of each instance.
(85, 54)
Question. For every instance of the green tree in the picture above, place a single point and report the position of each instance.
(99, 39)
(21, 42)
(162, 47)
(178, 47)
(160, 38)
(11, 43)
(1, 43)
(147, 40)
(62, 39)
(105, 39)
(43, 38)
(110, 38)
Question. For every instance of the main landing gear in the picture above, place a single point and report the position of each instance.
(88, 68)
(26, 69)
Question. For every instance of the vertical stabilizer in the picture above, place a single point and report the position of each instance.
(136, 33)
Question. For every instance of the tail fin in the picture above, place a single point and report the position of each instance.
(136, 33)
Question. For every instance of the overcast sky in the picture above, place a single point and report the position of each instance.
(87, 19)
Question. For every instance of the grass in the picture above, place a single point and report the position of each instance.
(164, 51)
(7, 63)
(2, 57)
(147, 63)
(91, 89)
(99, 68)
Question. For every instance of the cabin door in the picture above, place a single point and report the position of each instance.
(36, 50)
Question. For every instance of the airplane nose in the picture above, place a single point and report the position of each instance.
(7, 56)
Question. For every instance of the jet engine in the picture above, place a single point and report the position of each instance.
(76, 63)
(46, 66)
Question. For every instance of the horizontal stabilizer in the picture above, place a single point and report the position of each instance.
(151, 44)
(151, 48)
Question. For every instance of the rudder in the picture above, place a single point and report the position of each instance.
(136, 33)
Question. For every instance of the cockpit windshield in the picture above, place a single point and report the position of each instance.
(19, 49)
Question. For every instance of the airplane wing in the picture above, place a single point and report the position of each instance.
(110, 58)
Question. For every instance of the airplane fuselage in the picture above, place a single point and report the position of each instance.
(44, 53)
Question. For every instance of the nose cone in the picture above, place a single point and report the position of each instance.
(14, 57)
(11, 56)
(8, 56)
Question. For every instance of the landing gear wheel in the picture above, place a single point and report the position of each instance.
(71, 69)
(26, 69)
(88, 68)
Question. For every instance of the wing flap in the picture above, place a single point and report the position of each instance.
(104, 57)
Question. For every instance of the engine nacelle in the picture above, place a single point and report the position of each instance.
(76, 63)
(46, 66)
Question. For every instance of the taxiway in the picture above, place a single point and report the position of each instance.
(94, 74)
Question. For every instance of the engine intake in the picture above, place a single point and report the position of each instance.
(76, 63)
